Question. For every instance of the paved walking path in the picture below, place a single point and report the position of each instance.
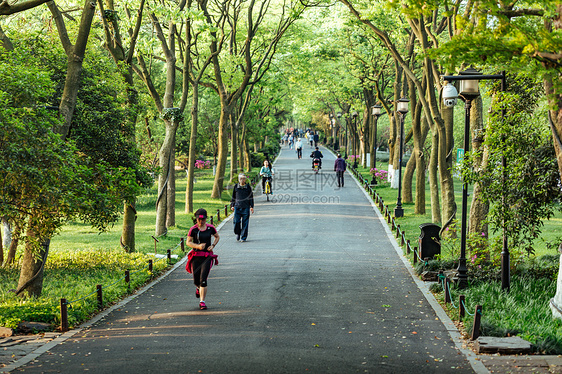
(319, 287)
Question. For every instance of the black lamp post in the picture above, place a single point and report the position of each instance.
(354, 115)
(402, 108)
(469, 80)
(468, 92)
(376, 112)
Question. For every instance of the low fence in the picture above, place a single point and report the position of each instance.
(401, 236)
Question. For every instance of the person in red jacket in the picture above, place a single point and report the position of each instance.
(203, 238)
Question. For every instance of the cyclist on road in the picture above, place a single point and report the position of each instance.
(266, 173)
(316, 155)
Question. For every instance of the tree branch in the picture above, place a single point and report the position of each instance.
(7, 9)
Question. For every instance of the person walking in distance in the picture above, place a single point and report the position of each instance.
(202, 238)
(242, 203)
(298, 146)
(339, 168)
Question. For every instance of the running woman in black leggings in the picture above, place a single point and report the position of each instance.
(202, 238)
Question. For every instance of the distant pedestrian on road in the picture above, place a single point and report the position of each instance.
(242, 203)
(316, 139)
(298, 146)
(202, 238)
(339, 168)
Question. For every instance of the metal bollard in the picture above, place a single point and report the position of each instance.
(218, 215)
(408, 248)
(403, 240)
(461, 307)
(155, 241)
(63, 315)
(447, 293)
(211, 220)
(182, 243)
(415, 255)
(100, 296)
(128, 279)
(169, 253)
(225, 210)
(476, 324)
(150, 268)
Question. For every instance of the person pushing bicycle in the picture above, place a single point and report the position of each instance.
(266, 173)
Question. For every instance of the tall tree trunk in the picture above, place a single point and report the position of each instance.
(129, 209)
(222, 152)
(419, 141)
(394, 136)
(11, 257)
(165, 155)
(6, 237)
(449, 208)
(192, 149)
(233, 150)
(408, 177)
(1, 249)
(434, 179)
(554, 97)
(478, 209)
(75, 57)
(365, 135)
(407, 196)
(31, 274)
(247, 157)
(171, 194)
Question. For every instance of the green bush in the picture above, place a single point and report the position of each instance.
(256, 159)
(270, 149)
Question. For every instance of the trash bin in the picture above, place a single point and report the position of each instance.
(429, 242)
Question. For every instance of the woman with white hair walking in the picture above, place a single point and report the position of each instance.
(242, 203)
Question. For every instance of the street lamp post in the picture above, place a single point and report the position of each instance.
(354, 115)
(376, 112)
(402, 108)
(469, 80)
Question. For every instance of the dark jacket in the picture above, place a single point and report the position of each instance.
(242, 197)
(339, 165)
(316, 154)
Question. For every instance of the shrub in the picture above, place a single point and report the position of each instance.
(256, 159)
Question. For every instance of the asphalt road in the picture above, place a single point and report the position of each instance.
(317, 288)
